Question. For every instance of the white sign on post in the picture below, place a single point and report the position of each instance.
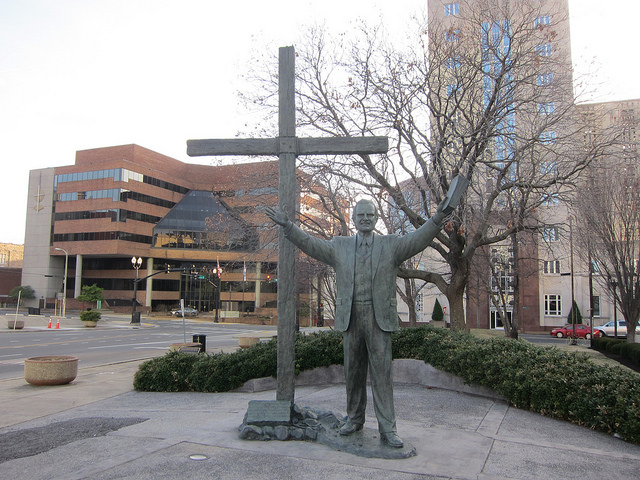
(184, 326)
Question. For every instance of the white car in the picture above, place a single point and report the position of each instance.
(188, 312)
(608, 329)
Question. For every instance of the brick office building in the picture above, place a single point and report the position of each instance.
(120, 202)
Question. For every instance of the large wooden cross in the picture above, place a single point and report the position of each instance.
(287, 147)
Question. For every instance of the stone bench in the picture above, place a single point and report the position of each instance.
(189, 347)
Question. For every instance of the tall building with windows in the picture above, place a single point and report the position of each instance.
(482, 41)
(120, 202)
(547, 268)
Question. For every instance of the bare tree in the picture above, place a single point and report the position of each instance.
(479, 99)
(608, 233)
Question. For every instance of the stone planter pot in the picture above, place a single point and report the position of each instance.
(51, 370)
(246, 342)
(90, 323)
(15, 324)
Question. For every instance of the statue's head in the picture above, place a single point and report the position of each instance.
(365, 216)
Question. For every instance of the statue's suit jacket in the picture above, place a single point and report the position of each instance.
(388, 252)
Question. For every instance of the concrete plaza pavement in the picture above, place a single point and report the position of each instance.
(458, 431)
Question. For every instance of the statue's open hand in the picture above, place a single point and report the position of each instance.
(277, 215)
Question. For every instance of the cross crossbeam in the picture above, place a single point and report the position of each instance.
(298, 146)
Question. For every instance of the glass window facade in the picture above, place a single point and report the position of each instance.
(116, 195)
(96, 236)
(451, 9)
(553, 305)
(550, 234)
(544, 50)
(452, 35)
(118, 175)
(549, 168)
(545, 79)
(548, 138)
(552, 266)
(542, 21)
(114, 214)
(201, 220)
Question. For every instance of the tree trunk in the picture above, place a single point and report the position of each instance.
(455, 296)
(410, 301)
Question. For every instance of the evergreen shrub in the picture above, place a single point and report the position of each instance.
(618, 346)
(437, 315)
(578, 314)
(557, 384)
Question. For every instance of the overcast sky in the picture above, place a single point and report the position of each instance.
(80, 74)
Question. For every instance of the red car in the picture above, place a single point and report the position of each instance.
(581, 331)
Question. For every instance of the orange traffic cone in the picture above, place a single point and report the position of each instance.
(49, 326)
(58, 323)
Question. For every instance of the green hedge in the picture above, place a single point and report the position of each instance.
(561, 385)
(221, 372)
(618, 346)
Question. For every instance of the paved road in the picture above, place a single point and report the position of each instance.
(120, 342)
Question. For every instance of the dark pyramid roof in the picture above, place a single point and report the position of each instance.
(201, 211)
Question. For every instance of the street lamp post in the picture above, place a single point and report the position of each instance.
(614, 284)
(64, 281)
(218, 272)
(573, 295)
(136, 262)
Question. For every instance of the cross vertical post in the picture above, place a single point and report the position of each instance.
(287, 191)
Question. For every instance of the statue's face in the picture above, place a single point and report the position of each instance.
(365, 217)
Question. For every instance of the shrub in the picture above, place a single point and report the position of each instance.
(90, 315)
(91, 294)
(618, 346)
(222, 372)
(25, 293)
(578, 314)
(438, 314)
(319, 350)
(561, 385)
(170, 373)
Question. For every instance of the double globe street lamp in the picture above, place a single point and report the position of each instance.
(136, 262)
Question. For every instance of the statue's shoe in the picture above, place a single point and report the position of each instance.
(392, 439)
(350, 428)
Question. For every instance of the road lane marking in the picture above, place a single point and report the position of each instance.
(66, 342)
(130, 345)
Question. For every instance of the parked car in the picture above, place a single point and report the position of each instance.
(581, 331)
(188, 312)
(609, 328)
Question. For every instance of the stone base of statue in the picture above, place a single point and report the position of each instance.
(278, 420)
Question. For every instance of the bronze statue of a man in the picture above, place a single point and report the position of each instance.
(366, 268)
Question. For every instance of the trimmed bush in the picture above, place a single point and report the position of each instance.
(221, 372)
(618, 346)
(561, 385)
(578, 314)
(170, 373)
(319, 350)
(438, 314)
(90, 315)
